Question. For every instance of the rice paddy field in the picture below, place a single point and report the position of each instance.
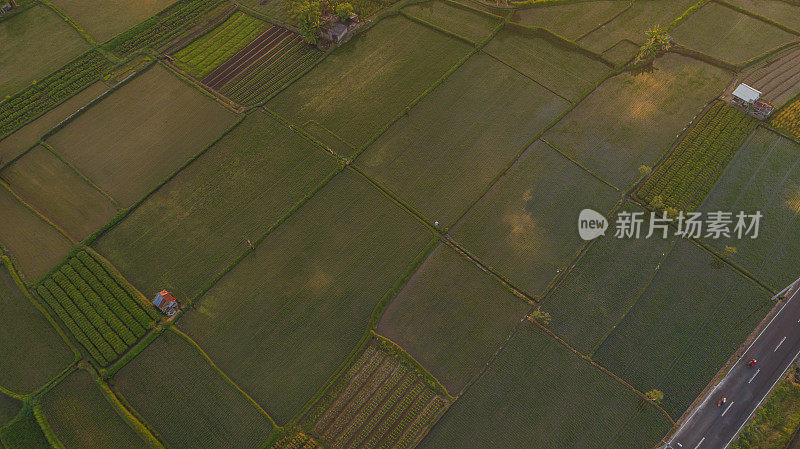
(109, 18)
(315, 268)
(631, 24)
(136, 137)
(34, 243)
(33, 352)
(674, 340)
(567, 73)
(524, 225)
(463, 22)
(647, 110)
(441, 184)
(375, 243)
(531, 375)
(224, 193)
(780, 11)
(572, 19)
(763, 177)
(447, 298)
(218, 413)
(71, 202)
(81, 416)
(729, 35)
(9, 408)
(28, 58)
(600, 289)
(360, 88)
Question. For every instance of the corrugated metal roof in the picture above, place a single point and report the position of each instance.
(746, 93)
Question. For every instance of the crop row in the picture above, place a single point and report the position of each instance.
(411, 415)
(355, 404)
(103, 316)
(421, 425)
(351, 386)
(180, 15)
(376, 398)
(380, 401)
(296, 441)
(207, 53)
(284, 62)
(389, 416)
(685, 178)
(788, 119)
(50, 91)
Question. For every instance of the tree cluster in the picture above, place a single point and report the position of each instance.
(308, 15)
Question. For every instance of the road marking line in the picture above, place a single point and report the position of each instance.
(779, 344)
(754, 376)
(727, 408)
(701, 442)
(763, 397)
(705, 400)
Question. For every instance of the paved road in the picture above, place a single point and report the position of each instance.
(775, 348)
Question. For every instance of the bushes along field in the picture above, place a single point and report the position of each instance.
(381, 401)
(297, 441)
(788, 119)
(208, 52)
(103, 313)
(685, 178)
